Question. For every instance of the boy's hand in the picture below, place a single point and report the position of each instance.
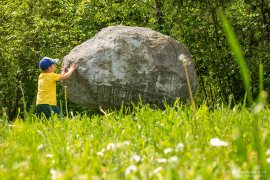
(66, 74)
(73, 66)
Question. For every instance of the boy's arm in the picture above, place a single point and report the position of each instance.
(66, 74)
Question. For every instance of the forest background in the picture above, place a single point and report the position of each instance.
(31, 29)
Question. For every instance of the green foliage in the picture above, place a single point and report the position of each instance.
(146, 143)
(33, 29)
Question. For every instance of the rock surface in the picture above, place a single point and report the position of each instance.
(126, 64)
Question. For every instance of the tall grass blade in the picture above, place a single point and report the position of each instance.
(262, 97)
(260, 78)
(238, 55)
(66, 105)
(24, 103)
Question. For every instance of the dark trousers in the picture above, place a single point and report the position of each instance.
(47, 110)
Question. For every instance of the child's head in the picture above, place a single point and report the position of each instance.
(45, 63)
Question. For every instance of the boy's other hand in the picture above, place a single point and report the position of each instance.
(73, 66)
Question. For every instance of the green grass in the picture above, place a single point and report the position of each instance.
(153, 144)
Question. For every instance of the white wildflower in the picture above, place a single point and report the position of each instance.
(236, 173)
(168, 150)
(185, 61)
(91, 136)
(126, 143)
(111, 146)
(40, 133)
(162, 160)
(268, 160)
(55, 174)
(187, 135)
(20, 165)
(40, 147)
(180, 147)
(135, 158)
(267, 152)
(49, 155)
(218, 142)
(173, 159)
(68, 146)
(100, 153)
(118, 145)
(130, 169)
(258, 107)
(155, 171)
(103, 150)
(181, 57)
(121, 144)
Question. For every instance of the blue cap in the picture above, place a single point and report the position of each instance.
(46, 62)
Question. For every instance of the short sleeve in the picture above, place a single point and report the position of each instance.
(55, 76)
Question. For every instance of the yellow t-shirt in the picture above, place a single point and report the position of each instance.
(47, 88)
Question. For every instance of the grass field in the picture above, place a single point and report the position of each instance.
(178, 142)
(174, 143)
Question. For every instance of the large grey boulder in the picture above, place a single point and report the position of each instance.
(121, 64)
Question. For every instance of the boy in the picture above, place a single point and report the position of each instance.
(46, 96)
